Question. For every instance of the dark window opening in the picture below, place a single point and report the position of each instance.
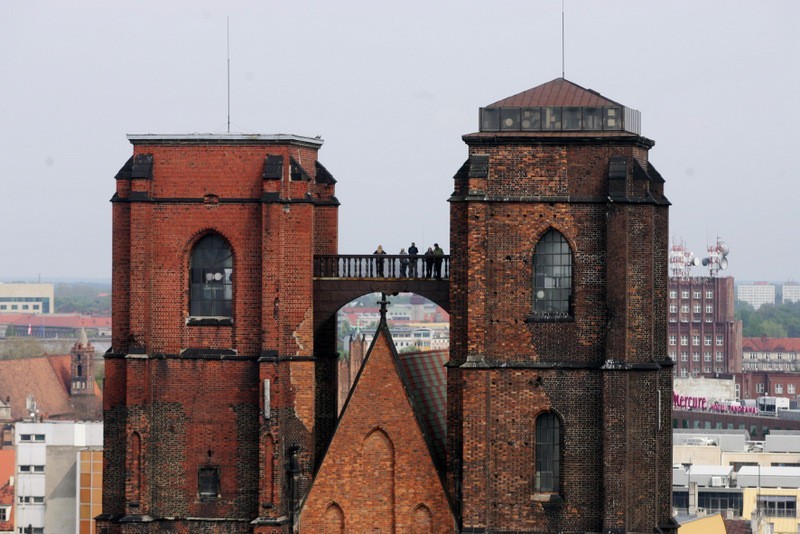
(552, 277)
(208, 482)
(211, 278)
(548, 452)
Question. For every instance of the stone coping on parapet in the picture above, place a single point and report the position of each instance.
(224, 139)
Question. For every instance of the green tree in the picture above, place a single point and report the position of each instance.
(779, 320)
(772, 328)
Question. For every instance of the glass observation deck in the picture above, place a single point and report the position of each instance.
(560, 119)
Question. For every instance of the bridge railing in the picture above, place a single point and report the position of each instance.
(381, 266)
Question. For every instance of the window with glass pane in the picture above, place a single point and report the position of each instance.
(208, 482)
(571, 118)
(509, 118)
(612, 118)
(490, 119)
(778, 505)
(592, 118)
(211, 278)
(548, 448)
(552, 119)
(531, 119)
(552, 276)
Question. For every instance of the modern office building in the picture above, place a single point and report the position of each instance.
(27, 298)
(703, 337)
(791, 292)
(49, 473)
(724, 471)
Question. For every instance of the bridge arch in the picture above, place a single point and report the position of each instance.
(339, 280)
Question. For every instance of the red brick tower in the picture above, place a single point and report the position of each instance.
(82, 367)
(210, 381)
(559, 383)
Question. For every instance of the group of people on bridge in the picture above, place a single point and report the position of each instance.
(409, 262)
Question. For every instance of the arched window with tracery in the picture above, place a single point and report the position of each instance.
(211, 278)
(552, 277)
(547, 453)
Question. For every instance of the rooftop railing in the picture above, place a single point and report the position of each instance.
(393, 266)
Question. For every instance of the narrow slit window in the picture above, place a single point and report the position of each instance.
(548, 452)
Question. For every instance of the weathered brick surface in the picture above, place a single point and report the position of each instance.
(377, 474)
(595, 370)
(168, 412)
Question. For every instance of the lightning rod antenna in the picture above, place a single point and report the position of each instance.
(228, 38)
(562, 38)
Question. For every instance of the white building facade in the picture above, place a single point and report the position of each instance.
(791, 292)
(47, 452)
(27, 298)
(756, 294)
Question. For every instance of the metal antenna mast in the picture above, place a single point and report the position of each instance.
(228, 36)
(562, 38)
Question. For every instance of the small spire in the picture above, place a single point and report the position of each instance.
(383, 304)
(84, 339)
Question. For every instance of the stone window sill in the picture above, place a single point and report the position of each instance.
(552, 501)
(209, 321)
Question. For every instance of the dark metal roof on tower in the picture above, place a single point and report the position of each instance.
(561, 108)
(558, 92)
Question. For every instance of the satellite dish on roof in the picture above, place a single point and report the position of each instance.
(723, 247)
(706, 262)
(723, 263)
(696, 262)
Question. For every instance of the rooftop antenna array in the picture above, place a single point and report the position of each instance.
(717, 258)
(681, 260)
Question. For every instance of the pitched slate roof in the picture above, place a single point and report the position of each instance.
(424, 376)
(558, 92)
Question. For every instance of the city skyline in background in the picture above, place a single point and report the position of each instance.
(392, 99)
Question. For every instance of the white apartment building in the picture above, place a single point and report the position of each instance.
(27, 298)
(46, 488)
(791, 292)
(756, 294)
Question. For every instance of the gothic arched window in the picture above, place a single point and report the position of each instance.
(552, 276)
(211, 278)
(548, 453)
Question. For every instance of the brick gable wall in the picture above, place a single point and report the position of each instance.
(377, 472)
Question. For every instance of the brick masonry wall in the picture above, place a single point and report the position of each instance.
(516, 367)
(377, 472)
(176, 413)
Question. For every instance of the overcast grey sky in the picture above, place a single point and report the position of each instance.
(391, 87)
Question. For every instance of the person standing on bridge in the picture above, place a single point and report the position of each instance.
(403, 263)
(438, 258)
(428, 262)
(412, 258)
(379, 261)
